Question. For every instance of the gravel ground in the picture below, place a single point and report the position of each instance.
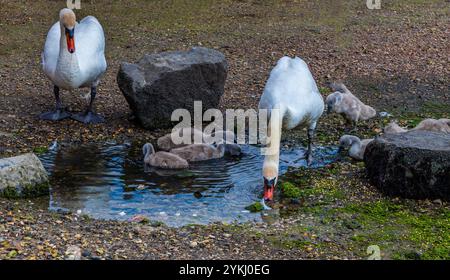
(395, 59)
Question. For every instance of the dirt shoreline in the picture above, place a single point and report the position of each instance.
(395, 59)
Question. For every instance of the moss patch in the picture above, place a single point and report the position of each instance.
(289, 190)
(27, 191)
(255, 207)
(40, 150)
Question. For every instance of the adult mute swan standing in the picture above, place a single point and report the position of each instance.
(292, 90)
(74, 57)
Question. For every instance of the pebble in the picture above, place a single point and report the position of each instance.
(86, 254)
(437, 201)
(193, 244)
(73, 253)
(384, 114)
(141, 187)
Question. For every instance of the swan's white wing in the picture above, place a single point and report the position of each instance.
(292, 88)
(90, 48)
(51, 50)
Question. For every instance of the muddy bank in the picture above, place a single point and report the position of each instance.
(383, 56)
(335, 215)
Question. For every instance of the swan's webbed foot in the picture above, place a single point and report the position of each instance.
(88, 117)
(56, 115)
(59, 113)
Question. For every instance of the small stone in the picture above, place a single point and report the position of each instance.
(193, 244)
(198, 194)
(141, 187)
(437, 201)
(141, 219)
(295, 201)
(73, 253)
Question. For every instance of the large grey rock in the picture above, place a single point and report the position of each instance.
(415, 164)
(23, 176)
(160, 83)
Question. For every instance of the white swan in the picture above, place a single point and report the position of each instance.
(73, 57)
(291, 89)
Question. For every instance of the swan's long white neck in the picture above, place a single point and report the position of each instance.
(67, 67)
(272, 152)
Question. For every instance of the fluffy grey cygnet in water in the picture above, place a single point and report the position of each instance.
(343, 102)
(357, 147)
(200, 152)
(162, 159)
(441, 125)
(166, 143)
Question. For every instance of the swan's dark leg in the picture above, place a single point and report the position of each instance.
(89, 116)
(308, 155)
(59, 113)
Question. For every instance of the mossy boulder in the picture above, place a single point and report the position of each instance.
(23, 176)
(163, 82)
(415, 164)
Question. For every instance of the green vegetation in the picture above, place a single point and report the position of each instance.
(289, 190)
(27, 191)
(40, 150)
(255, 207)
(398, 227)
(394, 226)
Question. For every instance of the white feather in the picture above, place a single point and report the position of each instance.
(85, 66)
(292, 88)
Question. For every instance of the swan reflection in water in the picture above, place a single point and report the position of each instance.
(109, 181)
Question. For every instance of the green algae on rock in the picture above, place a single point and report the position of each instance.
(23, 176)
(255, 207)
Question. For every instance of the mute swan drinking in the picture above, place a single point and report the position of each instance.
(292, 90)
(73, 57)
(162, 159)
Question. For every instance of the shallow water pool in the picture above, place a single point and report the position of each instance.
(109, 181)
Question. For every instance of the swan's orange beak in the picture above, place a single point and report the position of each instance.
(70, 40)
(269, 188)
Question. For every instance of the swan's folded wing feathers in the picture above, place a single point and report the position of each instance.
(51, 50)
(90, 46)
